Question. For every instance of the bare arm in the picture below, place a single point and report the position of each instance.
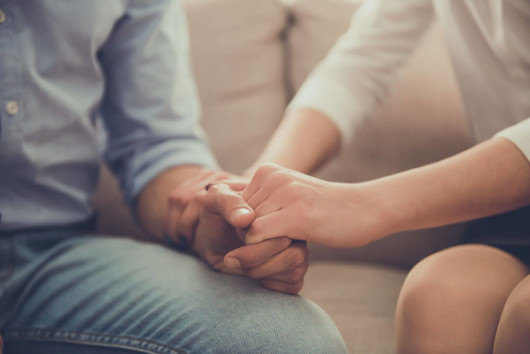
(490, 178)
(304, 140)
(349, 84)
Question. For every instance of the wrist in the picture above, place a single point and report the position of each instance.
(375, 211)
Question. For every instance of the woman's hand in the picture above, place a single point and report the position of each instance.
(288, 203)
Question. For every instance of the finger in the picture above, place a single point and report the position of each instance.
(259, 177)
(189, 218)
(270, 205)
(288, 265)
(229, 204)
(195, 180)
(277, 224)
(235, 185)
(288, 288)
(195, 185)
(250, 256)
(272, 188)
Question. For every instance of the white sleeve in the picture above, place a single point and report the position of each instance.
(356, 74)
(519, 134)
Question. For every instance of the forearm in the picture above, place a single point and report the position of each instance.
(304, 140)
(490, 178)
(152, 206)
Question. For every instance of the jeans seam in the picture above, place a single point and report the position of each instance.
(96, 339)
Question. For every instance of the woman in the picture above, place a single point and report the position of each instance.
(470, 298)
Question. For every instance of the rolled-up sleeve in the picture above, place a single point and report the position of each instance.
(356, 75)
(150, 107)
(519, 134)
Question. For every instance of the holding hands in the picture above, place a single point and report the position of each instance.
(259, 228)
(212, 221)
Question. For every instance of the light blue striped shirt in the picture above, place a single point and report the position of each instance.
(65, 67)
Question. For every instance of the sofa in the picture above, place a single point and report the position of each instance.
(249, 58)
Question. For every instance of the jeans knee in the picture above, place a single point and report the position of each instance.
(286, 324)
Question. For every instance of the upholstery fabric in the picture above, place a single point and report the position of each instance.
(361, 299)
(238, 57)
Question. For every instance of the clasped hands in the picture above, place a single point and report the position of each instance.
(214, 222)
(259, 228)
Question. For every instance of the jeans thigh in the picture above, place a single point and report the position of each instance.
(121, 293)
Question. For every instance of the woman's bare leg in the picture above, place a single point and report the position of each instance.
(513, 334)
(451, 302)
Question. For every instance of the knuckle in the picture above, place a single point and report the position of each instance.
(215, 189)
(266, 169)
(220, 175)
(253, 273)
(283, 242)
(298, 257)
(296, 190)
(297, 274)
(198, 198)
(177, 197)
(256, 228)
(247, 258)
(297, 288)
(280, 177)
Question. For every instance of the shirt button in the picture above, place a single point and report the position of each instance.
(12, 108)
(2, 16)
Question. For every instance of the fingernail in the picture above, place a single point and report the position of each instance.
(232, 263)
(239, 212)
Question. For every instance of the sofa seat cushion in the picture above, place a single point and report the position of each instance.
(360, 298)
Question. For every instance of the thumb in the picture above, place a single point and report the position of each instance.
(221, 199)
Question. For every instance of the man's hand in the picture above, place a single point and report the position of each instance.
(279, 264)
(185, 204)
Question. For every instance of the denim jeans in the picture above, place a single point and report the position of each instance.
(79, 293)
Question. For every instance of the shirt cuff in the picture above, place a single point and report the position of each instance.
(161, 157)
(332, 99)
(519, 134)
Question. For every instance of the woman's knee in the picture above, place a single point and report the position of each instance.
(429, 287)
(459, 275)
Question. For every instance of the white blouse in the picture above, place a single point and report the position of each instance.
(489, 43)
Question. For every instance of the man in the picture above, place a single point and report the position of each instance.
(64, 68)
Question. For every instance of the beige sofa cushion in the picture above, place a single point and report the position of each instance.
(421, 122)
(238, 58)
